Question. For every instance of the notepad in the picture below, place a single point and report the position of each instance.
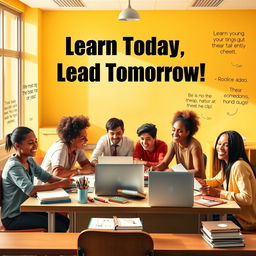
(58, 195)
(208, 200)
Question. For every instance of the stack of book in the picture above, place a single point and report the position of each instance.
(222, 234)
(115, 223)
(58, 195)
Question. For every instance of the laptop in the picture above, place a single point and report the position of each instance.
(172, 189)
(115, 160)
(197, 185)
(110, 177)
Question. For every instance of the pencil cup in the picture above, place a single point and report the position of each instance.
(82, 196)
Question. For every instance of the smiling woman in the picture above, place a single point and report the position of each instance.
(184, 146)
(237, 176)
(18, 176)
(63, 154)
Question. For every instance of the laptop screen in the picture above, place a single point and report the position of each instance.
(110, 177)
(173, 189)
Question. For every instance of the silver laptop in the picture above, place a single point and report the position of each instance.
(115, 160)
(110, 177)
(173, 189)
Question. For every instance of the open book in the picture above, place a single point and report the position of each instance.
(115, 223)
(58, 195)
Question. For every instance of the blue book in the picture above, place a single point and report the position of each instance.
(56, 201)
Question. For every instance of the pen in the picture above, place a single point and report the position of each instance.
(101, 200)
(90, 199)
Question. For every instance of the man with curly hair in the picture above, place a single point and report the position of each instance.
(63, 154)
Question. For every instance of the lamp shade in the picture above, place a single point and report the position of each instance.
(129, 14)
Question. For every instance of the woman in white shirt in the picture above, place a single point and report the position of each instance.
(63, 154)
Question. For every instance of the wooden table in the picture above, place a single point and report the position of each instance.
(133, 206)
(164, 244)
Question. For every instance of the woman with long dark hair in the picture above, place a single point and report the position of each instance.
(237, 176)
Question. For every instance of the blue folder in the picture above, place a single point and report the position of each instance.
(56, 201)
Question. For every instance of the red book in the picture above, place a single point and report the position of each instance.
(208, 200)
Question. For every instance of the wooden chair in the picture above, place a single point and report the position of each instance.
(93, 242)
(2, 228)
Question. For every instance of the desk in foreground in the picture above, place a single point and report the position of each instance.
(164, 244)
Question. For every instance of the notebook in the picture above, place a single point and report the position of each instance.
(173, 189)
(111, 177)
(115, 160)
(58, 195)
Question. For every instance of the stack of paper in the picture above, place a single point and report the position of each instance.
(115, 223)
(53, 196)
(222, 234)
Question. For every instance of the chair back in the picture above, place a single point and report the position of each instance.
(114, 243)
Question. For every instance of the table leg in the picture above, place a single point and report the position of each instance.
(209, 217)
(72, 226)
(51, 222)
(198, 223)
(223, 217)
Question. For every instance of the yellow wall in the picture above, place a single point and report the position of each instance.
(31, 74)
(137, 103)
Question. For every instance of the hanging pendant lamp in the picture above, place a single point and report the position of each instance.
(129, 14)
